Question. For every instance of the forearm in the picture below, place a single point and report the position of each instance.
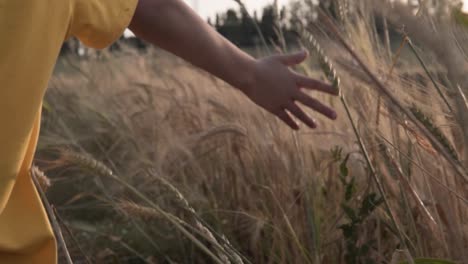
(173, 26)
(268, 82)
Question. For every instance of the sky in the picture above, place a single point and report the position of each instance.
(209, 8)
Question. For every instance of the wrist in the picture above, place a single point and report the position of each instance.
(245, 81)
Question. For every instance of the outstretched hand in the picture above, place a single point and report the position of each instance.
(268, 82)
(278, 89)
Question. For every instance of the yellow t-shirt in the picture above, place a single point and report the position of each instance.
(31, 34)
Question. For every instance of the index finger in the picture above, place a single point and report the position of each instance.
(312, 84)
(316, 105)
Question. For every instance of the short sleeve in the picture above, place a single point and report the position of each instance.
(98, 23)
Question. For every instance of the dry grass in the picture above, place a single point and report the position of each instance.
(197, 174)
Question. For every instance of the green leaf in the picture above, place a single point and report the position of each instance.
(350, 189)
(324, 191)
(344, 171)
(350, 259)
(369, 204)
(461, 18)
(350, 213)
(364, 250)
(46, 106)
(348, 230)
(429, 261)
(336, 153)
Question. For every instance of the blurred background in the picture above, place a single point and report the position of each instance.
(150, 160)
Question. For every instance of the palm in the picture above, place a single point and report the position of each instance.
(277, 89)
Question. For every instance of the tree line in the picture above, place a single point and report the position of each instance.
(235, 25)
(244, 31)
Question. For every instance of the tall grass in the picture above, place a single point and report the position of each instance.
(154, 161)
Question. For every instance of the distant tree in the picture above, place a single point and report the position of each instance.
(267, 24)
(217, 21)
(231, 18)
(283, 13)
(230, 27)
(241, 29)
(248, 29)
(255, 16)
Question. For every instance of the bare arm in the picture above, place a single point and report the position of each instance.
(268, 82)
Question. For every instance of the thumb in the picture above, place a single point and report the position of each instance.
(294, 58)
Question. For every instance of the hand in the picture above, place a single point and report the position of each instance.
(277, 88)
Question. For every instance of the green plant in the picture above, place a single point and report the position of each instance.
(357, 212)
(429, 261)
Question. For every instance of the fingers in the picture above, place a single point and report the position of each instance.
(301, 115)
(311, 84)
(293, 59)
(286, 118)
(295, 110)
(316, 105)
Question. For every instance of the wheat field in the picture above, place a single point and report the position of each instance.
(151, 160)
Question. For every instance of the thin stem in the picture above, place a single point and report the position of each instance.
(455, 164)
(332, 75)
(257, 27)
(423, 64)
(425, 171)
(388, 44)
(372, 170)
(463, 96)
(168, 217)
(70, 234)
(392, 68)
(53, 220)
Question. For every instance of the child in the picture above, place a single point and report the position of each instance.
(32, 33)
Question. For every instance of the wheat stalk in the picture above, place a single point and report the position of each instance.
(456, 165)
(436, 132)
(36, 175)
(463, 96)
(86, 161)
(43, 181)
(396, 169)
(101, 169)
(199, 223)
(132, 209)
(426, 70)
(331, 74)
